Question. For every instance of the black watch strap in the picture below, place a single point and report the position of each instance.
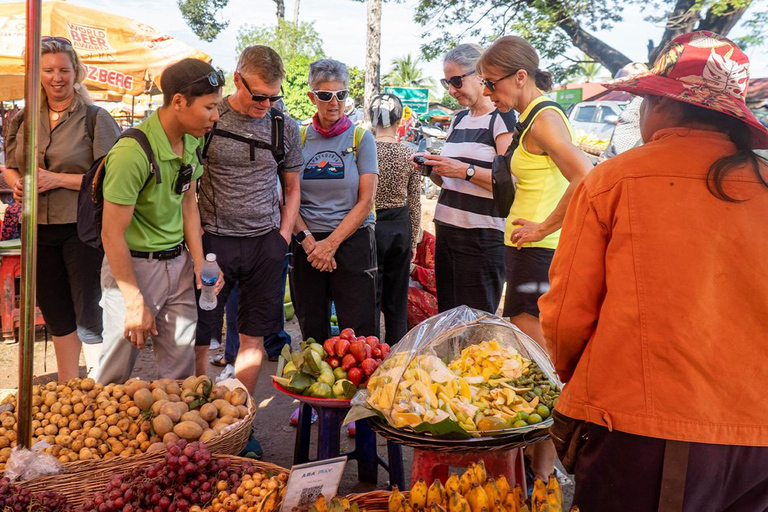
(302, 235)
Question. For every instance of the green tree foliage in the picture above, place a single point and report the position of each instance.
(201, 16)
(299, 46)
(357, 84)
(555, 27)
(450, 101)
(407, 72)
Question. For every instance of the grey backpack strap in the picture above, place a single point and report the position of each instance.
(91, 111)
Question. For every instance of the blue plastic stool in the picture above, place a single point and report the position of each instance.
(329, 424)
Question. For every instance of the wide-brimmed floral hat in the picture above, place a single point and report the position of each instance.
(702, 68)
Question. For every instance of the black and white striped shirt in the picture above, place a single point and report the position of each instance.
(472, 139)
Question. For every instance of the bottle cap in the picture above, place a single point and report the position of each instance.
(210, 257)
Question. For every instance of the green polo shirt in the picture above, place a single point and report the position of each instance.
(157, 222)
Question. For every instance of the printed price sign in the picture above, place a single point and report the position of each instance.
(308, 481)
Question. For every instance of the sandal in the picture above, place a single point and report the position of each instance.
(220, 361)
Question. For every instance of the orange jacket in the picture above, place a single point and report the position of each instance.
(657, 316)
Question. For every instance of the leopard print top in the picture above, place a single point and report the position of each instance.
(399, 182)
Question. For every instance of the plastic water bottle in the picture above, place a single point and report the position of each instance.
(209, 276)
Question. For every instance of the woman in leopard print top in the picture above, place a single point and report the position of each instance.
(398, 214)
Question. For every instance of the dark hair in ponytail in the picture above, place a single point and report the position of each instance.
(543, 80)
(509, 54)
(740, 134)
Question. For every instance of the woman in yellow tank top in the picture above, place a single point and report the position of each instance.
(548, 167)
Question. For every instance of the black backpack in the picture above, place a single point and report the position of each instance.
(277, 147)
(90, 200)
(501, 170)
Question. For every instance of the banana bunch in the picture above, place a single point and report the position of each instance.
(477, 491)
(337, 505)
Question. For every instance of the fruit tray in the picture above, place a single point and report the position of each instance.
(319, 402)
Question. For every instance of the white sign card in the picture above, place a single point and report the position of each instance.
(308, 481)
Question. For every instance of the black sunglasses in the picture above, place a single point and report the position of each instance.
(215, 78)
(57, 39)
(326, 96)
(260, 98)
(456, 81)
(491, 84)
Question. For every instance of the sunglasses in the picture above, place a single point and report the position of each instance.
(326, 96)
(215, 78)
(260, 98)
(56, 39)
(491, 84)
(456, 81)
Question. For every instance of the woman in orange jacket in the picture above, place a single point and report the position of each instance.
(656, 316)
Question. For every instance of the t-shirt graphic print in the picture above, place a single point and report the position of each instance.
(325, 165)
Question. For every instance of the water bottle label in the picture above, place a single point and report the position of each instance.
(209, 281)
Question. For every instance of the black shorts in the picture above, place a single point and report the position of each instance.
(68, 282)
(527, 279)
(256, 264)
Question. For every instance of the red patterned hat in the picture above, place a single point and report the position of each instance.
(704, 69)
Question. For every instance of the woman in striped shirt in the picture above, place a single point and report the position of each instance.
(469, 252)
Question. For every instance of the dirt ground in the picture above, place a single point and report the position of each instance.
(274, 408)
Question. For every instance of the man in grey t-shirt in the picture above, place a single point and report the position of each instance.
(247, 224)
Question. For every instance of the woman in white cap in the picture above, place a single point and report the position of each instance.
(398, 215)
(656, 316)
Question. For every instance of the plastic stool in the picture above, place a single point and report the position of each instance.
(329, 429)
(430, 465)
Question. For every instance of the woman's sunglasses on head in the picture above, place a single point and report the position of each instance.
(456, 81)
(326, 96)
(260, 98)
(56, 39)
(491, 84)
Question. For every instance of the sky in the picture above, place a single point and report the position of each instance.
(342, 26)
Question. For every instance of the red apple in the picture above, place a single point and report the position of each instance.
(357, 349)
(373, 341)
(334, 361)
(347, 334)
(369, 366)
(329, 347)
(355, 376)
(348, 362)
(342, 347)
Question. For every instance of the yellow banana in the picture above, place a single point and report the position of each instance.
(466, 481)
(503, 486)
(436, 493)
(480, 472)
(510, 504)
(452, 484)
(518, 496)
(337, 505)
(457, 503)
(419, 494)
(539, 496)
(497, 507)
(492, 490)
(554, 494)
(477, 498)
(436, 508)
(396, 500)
(320, 504)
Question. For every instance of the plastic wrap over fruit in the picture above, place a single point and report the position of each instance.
(462, 373)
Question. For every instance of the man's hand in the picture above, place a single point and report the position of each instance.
(219, 281)
(139, 324)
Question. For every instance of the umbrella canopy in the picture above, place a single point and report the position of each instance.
(121, 54)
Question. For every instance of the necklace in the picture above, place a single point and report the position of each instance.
(55, 116)
(389, 137)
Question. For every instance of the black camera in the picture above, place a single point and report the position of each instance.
(184, 180)
(420, 160)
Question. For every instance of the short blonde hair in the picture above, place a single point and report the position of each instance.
(263, 61)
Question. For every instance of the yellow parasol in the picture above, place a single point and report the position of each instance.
(120, 54)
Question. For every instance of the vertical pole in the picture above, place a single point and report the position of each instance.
(29, 223)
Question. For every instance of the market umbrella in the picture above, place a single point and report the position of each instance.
(121, 54)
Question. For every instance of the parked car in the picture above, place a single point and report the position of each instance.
(595, 119)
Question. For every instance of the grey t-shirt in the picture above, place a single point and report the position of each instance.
(239, 196)
(331, 177)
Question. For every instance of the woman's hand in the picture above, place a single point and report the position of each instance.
(321, 256)
(447, 167)
(47, 180)
(527, 232)
(18, 189)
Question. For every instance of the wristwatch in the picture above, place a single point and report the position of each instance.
(470, 172)
(303, 235)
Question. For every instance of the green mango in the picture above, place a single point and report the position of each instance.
(288, 310)
(312, 362)
(344, 389)
(300, 382)
(339, 373)
(289, 369)
(326, 377)
(319, 390)
(324, 366)
(318, 348)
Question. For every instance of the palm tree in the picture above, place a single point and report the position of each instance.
(406, 72)
(589, 70)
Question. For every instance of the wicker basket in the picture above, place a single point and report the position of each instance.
(81, 485)
(374, 501)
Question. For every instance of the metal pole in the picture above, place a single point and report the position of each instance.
(29, 223)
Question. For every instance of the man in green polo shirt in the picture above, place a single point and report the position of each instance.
(147, 275)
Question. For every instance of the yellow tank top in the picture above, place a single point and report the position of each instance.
(540, 185)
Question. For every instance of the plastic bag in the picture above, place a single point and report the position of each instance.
(455, 365)
(25, 464)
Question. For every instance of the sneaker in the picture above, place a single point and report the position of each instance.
(351, 431)
(215, 345)
(228, 373)
(295, 417)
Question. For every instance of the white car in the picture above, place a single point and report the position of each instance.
(596, 119)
